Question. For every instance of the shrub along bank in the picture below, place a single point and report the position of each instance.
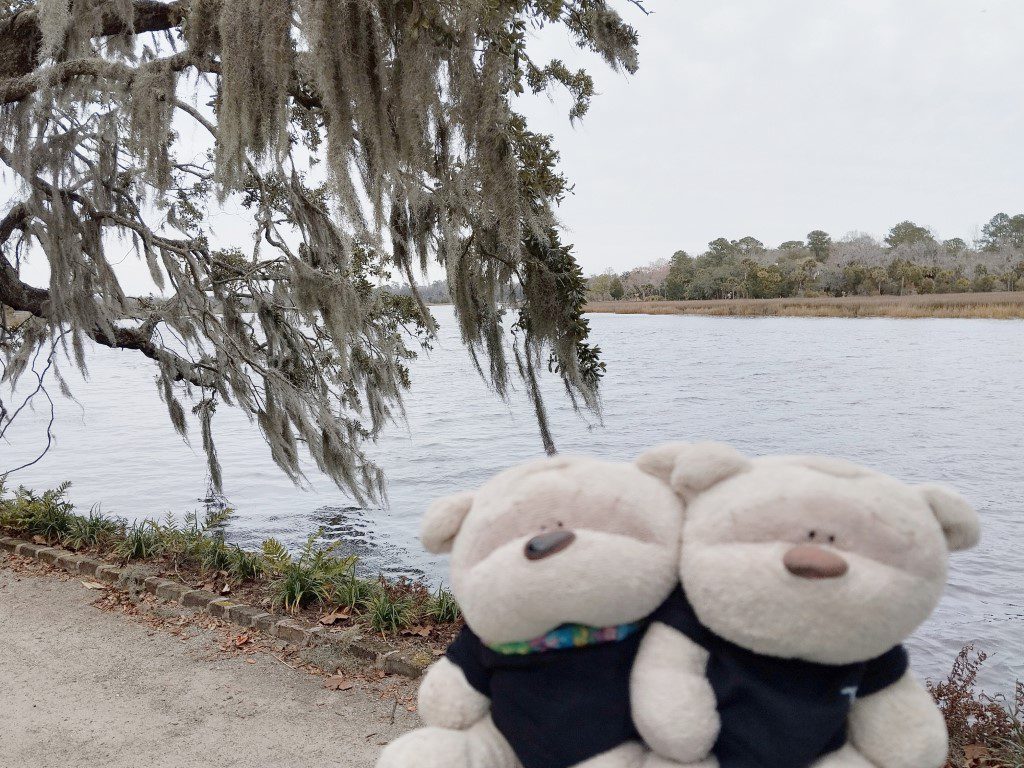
(315, 581)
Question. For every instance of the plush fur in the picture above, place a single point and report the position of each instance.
(673, 670)
(621, 565)
(899, 727)
(743, 518)
(447, 700)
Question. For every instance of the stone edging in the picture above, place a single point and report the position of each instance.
(240, 614)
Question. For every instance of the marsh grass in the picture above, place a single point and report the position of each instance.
(195, 549)
(993, 306)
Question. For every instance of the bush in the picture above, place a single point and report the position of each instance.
(983, 730)
(49, 515)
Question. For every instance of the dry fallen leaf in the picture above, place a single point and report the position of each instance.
(338, 683)
(93, 585)
(39, 540)
(226, 589)
(329, 619)
(241, 640)
(975, 752)
(418, 631)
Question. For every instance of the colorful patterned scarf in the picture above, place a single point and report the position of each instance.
(567, 636)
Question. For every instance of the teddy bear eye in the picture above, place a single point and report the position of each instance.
(831, 539)
(811, 534)
(560, 524)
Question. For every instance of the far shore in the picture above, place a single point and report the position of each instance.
(993, 306)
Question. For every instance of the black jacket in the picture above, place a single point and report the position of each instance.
(779, 713)
(555, 708)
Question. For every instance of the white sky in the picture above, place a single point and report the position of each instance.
(776, 118)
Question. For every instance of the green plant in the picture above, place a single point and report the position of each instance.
(141, 541)
(48, 515)
(96, 530)
(443, 608)
(312, 577)
(243, 565)
(389, 612)
(353, 592)
(196, 542)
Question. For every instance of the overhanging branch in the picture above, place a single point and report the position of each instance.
(20, 36)
(22, 297)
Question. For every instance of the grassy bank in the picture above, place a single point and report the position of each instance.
(998, 306)
(314, 584)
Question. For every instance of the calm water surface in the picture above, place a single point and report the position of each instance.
(925, 400)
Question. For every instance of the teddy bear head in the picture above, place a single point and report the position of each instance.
(809, 557)
(558, 541)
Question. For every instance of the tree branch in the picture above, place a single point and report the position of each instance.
(17, 88)
(20, 36)
(22, 297)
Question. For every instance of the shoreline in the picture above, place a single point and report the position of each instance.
(987, 306)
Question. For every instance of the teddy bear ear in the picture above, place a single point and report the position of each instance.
(691, 468)
(959, 521)
(443, 520)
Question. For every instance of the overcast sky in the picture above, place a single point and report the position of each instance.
(776, 118)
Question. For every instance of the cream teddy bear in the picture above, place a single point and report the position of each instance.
(556, 564)
(800, 578)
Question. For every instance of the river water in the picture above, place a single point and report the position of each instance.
(924, 400)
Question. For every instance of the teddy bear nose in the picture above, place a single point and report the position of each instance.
(547, 544)
(812, 562)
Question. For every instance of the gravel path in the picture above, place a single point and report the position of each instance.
(84, 687)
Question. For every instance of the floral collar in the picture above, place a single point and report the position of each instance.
(567, 636)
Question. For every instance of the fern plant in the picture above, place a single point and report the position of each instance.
(48, 515)
(312, 577)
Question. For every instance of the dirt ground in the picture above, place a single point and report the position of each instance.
(88, 680)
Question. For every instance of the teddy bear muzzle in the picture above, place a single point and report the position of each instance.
(547, 544)
(809, 561)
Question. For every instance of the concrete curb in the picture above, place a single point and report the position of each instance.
(336, 645)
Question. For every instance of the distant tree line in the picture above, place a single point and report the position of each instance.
(910, 260)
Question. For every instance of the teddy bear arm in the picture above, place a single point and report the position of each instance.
(899, 727)
(447, 700)
(674, 706)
